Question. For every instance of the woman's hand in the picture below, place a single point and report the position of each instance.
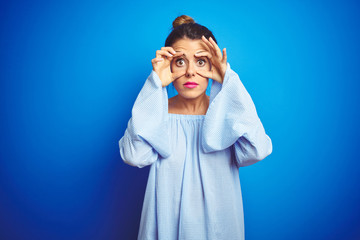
(161, 64)
(218, 61)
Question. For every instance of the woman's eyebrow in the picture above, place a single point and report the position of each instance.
(195, 53)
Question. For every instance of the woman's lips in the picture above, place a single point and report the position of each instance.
(191, 84)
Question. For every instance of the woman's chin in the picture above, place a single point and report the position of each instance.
(191, 94)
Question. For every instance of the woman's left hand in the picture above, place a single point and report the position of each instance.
(218, 61)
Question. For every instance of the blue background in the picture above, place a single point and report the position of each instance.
(71, 70)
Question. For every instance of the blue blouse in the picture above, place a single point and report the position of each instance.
(193, 189)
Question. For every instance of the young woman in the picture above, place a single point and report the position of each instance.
(194, 143)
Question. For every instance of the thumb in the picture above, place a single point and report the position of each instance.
(175, 76)
(203, 73)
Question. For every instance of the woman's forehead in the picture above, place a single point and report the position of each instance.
(190, 50)
(190, 45)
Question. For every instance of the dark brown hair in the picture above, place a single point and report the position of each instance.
(185, 26)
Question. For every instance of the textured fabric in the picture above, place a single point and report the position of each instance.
(193, 189)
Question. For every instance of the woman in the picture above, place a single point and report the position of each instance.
(194, 143)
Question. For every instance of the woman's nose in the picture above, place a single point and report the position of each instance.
(190, 71)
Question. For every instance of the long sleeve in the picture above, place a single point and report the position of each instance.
(146, 136)
(232, 121)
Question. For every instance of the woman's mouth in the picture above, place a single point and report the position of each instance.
(191, 84)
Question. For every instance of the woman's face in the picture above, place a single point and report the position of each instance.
(189, 84)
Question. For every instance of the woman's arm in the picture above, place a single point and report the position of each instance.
(232, 120)
(146, 137)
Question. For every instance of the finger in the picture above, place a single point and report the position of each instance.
(224, 55)
(178, 75)
(160, 53)
(212, 49)
(178, 54)
(170, 49)
(205, 74)
(207, 43)
(155, 60)
(216, 47)
(168, 55)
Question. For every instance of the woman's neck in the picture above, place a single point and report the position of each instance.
(193, 106)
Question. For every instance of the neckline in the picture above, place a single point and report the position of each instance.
(185, 116)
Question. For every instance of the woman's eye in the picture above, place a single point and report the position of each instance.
(180, 62)
(201, 62)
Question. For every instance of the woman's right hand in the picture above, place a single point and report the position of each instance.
(161, 64)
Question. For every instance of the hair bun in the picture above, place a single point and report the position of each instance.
(182, 20)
